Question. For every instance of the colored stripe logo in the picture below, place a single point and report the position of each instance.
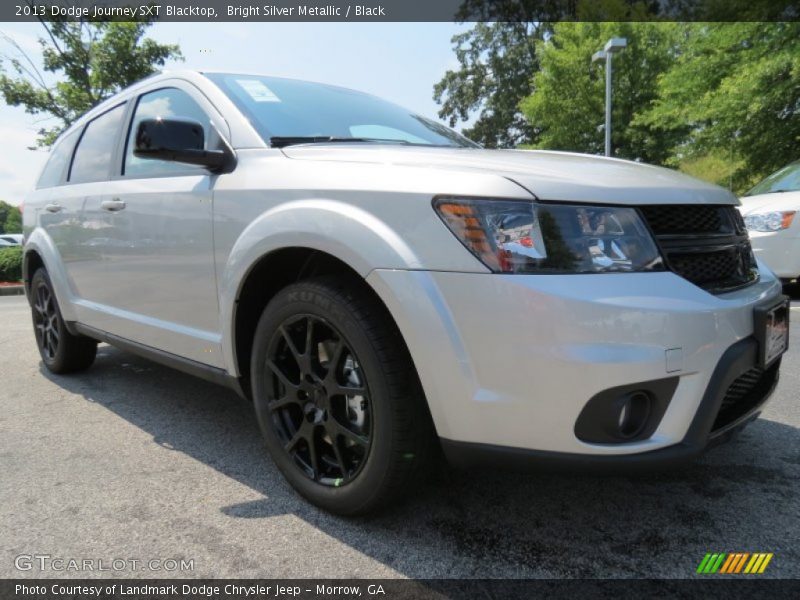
(734, 562)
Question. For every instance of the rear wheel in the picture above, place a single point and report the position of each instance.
(337, 396)
(61, 351)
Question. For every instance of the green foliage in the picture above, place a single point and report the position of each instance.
(568, 106)
(498, 58)
(11, 263)
(10, 218)
(736, 86)
(92, 60)
(720, 100)
(715, 168)
(496, 62)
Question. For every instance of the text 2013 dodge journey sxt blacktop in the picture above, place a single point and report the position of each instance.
(380, 286)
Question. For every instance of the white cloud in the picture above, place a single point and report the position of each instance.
(28, 42)
(18, 166)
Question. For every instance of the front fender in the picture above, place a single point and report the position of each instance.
(348, 232)
(358, 238)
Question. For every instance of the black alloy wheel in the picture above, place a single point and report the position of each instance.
(337, 397)
(46, 322)
(61, 351)
(319, 399)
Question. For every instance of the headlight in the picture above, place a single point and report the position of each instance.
(511, 236)
(771, 221)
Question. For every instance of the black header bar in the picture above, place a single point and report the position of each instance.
(400, 10)
(705, 587)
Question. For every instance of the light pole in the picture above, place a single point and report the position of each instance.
(613, 46)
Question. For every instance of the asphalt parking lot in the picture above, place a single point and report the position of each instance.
(133, 460)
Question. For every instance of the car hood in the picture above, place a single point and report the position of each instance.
(770, 202)
(548, 175)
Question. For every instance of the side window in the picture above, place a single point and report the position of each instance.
(168, 102)
(57, 161)
(92, 160)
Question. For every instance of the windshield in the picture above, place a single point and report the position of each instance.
(304, 112)
(786, 179)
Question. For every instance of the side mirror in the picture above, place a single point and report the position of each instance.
(176, 140)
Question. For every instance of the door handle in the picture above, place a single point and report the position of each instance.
(112, 205)
(53, 207)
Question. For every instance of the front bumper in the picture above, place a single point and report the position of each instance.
(509, 361)
(701, 434)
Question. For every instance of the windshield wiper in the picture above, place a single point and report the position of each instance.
(283, 141)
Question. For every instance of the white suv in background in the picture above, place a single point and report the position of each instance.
(770, 213)
(379, 285)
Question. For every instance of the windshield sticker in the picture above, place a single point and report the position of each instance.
(257, 90)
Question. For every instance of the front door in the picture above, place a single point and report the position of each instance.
(158, 285)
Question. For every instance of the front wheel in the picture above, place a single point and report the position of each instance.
(337, 396)
(61, 351)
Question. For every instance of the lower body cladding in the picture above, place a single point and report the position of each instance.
(629, 369)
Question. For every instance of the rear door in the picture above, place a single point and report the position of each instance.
(154, 259)
(86, 171)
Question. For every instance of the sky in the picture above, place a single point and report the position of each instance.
(397, 61)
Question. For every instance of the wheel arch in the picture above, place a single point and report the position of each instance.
(266, 277)
(293, 240)
(41, 251)
(31, 262)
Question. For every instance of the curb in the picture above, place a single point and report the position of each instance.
(12, 290)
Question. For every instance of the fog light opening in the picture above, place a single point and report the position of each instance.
(624, 413)
(633, 413)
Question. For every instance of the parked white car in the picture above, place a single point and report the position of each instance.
(770, 213)
(377, 284)
(10, 239)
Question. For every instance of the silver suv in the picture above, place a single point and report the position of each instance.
(381, 287)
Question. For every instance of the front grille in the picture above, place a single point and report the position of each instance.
(745, 393)
(715, 268)
(707, 245)
(689, 219)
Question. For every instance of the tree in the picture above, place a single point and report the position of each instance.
(10, 218)
(92, 61)
(11, 263)
(497, 61)
(737, 87)
(568, 105)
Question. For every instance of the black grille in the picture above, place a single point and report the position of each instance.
(665, 220)
(705, 244)
(709, 268)
(745, 393)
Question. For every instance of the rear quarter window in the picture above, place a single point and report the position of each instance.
(57, 163)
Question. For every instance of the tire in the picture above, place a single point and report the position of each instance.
(61, 351)
(348, 453)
